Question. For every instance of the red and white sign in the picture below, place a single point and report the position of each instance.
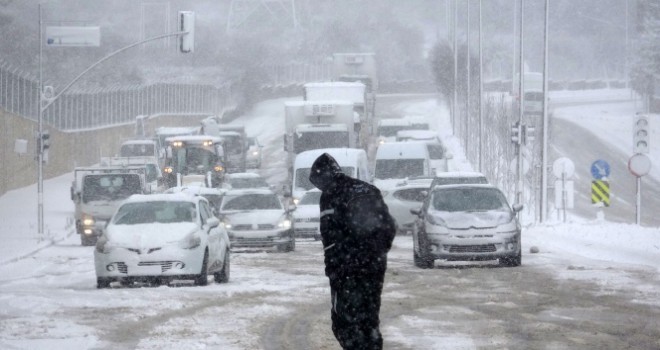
(639, 164)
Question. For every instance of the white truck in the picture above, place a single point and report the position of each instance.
(235, 141)
(356, 67)
(98, 191)
(313, 125)
(354, 92)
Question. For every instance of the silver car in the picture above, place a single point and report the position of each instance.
(466, 222)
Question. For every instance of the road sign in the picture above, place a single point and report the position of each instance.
(600, 192)
(563, 167)
(639, 164)
(73, 36)
(600, 169)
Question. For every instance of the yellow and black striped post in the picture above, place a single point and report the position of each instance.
(600, 192)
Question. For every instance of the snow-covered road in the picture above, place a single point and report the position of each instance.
(593, 285)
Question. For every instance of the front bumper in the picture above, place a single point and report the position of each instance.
(307, 229)
(260, 238)
(474, 245)
(135, 264)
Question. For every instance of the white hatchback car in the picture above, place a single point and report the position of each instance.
(306, 217)
(466, 222)
(161, 237)
(256, 218)
(407, 194)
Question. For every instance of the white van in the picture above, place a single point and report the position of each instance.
(352, 161)
(399, 160)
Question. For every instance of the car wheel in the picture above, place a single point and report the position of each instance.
(511, 261)
(202, 278)
(223, 275)
(103, 282)
(422, 259)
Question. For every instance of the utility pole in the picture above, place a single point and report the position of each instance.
(467, 96)
(544, 152)
(481, 93)
(455, 103)
(521, 98)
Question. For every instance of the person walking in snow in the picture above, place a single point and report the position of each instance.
(357, 232)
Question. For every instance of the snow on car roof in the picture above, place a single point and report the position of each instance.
(444, 187)
(334, 84)
(242, 191)
(343, 156)
(196, 190)
(174, 130)
(139, 142)
(460, 174)
(393, 122)
(321, 127)
(416, 182)
(194, 138)
(161, 197)
(317, 102)
(242, 176)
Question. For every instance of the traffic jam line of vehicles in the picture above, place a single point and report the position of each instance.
(174, 206)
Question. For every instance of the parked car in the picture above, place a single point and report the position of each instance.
(244, 180)
(161, 237)
(306, 217)
(466, 222)
(253, 159)
(256, 218)
(408, 194)
(458, 178)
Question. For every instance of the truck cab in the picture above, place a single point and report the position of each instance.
(195, 157)
(98, 191)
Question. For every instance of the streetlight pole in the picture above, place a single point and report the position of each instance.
(544, 154)
(521, 98)
(481, 94)
(467, 96)
(40, 151)
(455, 103)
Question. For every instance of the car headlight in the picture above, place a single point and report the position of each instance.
(191, 241)
(255, 153)
(88, 220)
(227, 224)
(296, 201)
(284, 224)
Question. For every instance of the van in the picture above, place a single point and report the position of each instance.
(352, 161)
(400, 160)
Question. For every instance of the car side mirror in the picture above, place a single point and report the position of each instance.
(213, 222)
(416, 211)
(517, 207)
(286, 191)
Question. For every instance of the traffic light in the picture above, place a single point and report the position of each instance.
(187, 25)
(516, 136)
(641, 134)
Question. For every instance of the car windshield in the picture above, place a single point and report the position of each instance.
(436, 151)
(164, 212)
(193, 160)
(391, 130)
(137, 150)
(399, 168)
(253, 182)
(468, 199)
(233, 144)
(251, 202)
(110, 187)
(310, 198)
(302, 177)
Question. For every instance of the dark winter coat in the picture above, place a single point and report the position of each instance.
(356, 227)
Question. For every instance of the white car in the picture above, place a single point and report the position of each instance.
(212, 194)
(253, 156)
(408, 194)
(161, 237)
(466, 222)
(244, 181)
(256, 218)
(306, 217)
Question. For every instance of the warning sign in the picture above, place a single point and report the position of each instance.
(600, 192)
